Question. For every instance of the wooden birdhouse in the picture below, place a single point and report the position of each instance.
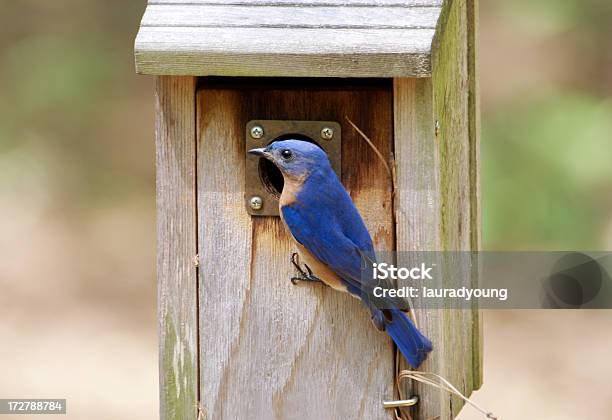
(237, 339)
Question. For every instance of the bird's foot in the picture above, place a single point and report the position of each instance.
(305, 275)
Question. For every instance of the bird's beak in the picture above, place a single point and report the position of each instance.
(257, 152)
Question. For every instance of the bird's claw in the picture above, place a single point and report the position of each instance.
(295, 260)
(304, 275)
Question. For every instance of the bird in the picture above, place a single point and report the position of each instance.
(333, 240)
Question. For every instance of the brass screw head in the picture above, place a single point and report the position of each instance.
(327, 133)
(256, 203)
(257, 132)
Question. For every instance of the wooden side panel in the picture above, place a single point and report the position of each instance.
(271, 350)
(438, 200)
(455, 107)
(418, 203)
(450, 88)
(475, 213)
(176, 247)
(417, 164)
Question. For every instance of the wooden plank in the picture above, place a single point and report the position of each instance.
(417, 166)
(269, 349)
(450, 82)
(253, 41)
(176, 247)
(474, 127)
(284, 52)
(307, 3)
(450, 99)
(417, 214)
(365, 38)
(223, 16)
(438, 201)
(458, 156)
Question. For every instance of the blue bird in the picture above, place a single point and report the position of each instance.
(332, 238)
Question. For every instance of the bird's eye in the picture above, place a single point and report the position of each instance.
(286, 154)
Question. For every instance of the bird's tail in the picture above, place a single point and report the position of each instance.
(413, 345)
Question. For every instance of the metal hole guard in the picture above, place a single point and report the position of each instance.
(259, 200)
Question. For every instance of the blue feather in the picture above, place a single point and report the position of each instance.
(413, 345)
(325, 221)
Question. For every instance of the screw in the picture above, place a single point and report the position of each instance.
(257, 132)
(327, 133)
(256, 203)
(437, 128)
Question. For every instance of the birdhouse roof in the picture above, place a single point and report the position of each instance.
(324, 38)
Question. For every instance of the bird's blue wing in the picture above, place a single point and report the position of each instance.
(324, 238)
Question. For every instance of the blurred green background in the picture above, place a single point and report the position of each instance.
(77, 239)
(77, 205)
(546, 77)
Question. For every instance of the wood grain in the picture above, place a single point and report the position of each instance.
(307, 3)
(247, 16)
(450, 79)
(269, 349)
(176, 247)
(284, 52)
(384, 38)
(437, 205)
(417, 216)
(475, 203)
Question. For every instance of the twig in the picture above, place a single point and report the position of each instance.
(444, 385)
(392, 176)
(382, 159)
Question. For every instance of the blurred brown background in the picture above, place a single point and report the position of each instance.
(77, 225)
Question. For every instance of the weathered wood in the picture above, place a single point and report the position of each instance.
(271, 350)
(417, 164)
(247, 16)
(451, 79)
(311, 3)
(176, 247)
(474, 135)
(437, 202)
(297, 52)
(417, 215)
(312, 39)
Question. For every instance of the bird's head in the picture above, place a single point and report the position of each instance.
(294, 158)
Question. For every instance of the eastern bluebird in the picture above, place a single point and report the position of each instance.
(332, 238)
